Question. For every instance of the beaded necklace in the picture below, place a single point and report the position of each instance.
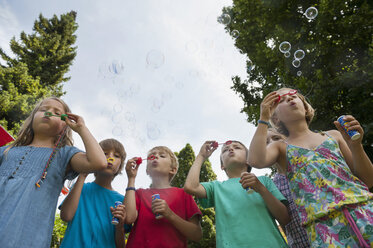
(51, 157)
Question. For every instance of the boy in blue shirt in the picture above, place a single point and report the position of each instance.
(88, 207)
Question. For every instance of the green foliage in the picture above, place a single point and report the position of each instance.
(337, 71)
(186, 158)
(41, 60)
(48, 52)
(58, 231)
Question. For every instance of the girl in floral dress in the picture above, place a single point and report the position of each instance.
(329, 174)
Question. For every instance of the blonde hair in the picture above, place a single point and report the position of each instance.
(113, 144)
(26, 133)
(174, 161)
(280, 127)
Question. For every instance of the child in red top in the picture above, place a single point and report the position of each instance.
(166, 222)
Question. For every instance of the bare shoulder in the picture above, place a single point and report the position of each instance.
(335, 134)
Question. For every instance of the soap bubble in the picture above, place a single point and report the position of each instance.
(311, 13)
(249, 65)
(285, 47)
(299, 54)
(299, 73)
(117, 131)
(117, 108)
(116, 67)
(224, 19)
(191, 46)
(296, 63)
(235, 34)
(287, 54)
(155, 59)
(152, 130)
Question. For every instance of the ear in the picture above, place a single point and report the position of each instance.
(173, 171)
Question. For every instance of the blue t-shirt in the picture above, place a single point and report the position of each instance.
(91, 225)
(26, 211)
(242, 219)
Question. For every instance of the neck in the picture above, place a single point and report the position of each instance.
(104, 181)
(235, 171)
(42, 141)
(159, 182)
(297, 129)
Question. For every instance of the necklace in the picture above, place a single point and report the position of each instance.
(51, 157)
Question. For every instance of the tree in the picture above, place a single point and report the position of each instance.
(48, 52)
(37, 69)
(58, 232)
(337, 70)
(186, 158)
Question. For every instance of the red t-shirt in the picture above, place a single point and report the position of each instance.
(151, 232)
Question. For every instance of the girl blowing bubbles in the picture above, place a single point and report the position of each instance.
(329, 174)
(33, 169)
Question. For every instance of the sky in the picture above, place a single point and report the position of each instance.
(147, 73)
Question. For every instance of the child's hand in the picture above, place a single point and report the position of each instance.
(249, 180)
(160, 206)
(207, 149)
(75, 122)
(120, 213)
(352, 124)
(132, 167)
(268, 105)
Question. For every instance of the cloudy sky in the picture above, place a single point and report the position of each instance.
(151, 72)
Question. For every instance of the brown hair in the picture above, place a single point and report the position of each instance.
(26, 133)
(280, 127)
(113, 144)
(247, 154)
(174, 161)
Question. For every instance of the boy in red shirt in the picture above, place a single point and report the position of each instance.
(166, 222)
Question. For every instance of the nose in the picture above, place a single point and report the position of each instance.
(110, 160)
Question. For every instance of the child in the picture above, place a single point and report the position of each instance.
(329, 173)
(242, 219)
(33, 169)
(296, 235)
(166, 222)
(88, 206)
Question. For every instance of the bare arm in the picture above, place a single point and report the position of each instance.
(192, 184)
(191, 229)
(94, 159)
(274, 205)
(261, 156)
(353, 151)
(70, 204)
(130, 198)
